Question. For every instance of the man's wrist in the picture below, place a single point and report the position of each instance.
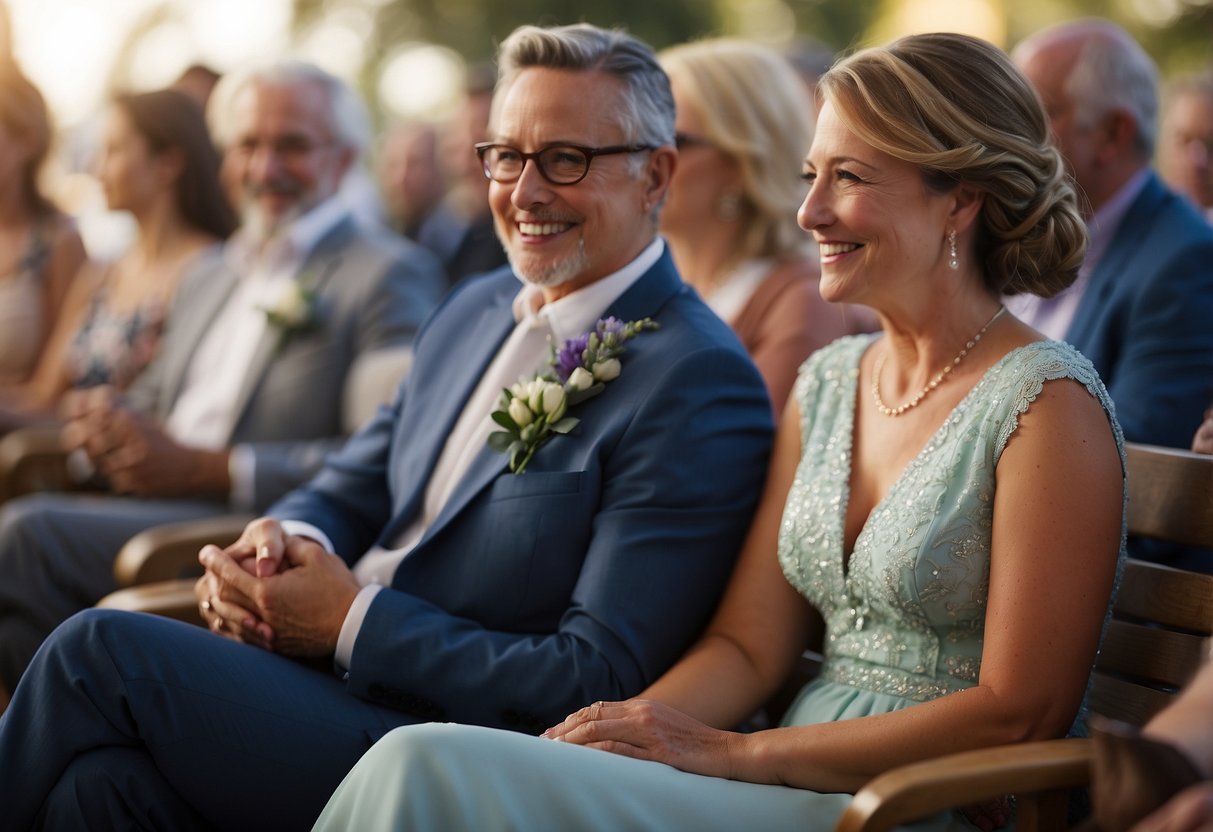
(210, 472)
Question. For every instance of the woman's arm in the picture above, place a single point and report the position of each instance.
(63, 264)
(36, 398)
(1055, 540)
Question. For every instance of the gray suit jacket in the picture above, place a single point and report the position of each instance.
(372, 292)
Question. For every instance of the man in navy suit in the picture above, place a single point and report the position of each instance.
(1142, 307)
(430, 580)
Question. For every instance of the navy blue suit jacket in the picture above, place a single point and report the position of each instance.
(581, 579)
(1146, 318)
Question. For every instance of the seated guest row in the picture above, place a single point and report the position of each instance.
(158, 163)
(504, 559)
(244, 398)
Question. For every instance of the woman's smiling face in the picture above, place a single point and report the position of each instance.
(875, 221)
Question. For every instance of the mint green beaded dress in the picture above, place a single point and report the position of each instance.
(904, 624)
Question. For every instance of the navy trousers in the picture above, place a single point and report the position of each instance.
(126, 720)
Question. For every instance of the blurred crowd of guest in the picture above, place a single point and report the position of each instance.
(335, 328)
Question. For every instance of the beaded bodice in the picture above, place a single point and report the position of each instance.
(907, 617)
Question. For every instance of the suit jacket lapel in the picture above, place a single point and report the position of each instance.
(643, 299)
(444, 403)
(203, 306)
(315, 273)
(1125, 243)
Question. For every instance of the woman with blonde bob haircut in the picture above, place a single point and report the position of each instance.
(743, 124)
(945, 497)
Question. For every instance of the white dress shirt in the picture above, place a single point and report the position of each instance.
(522, 354)
(1052, 317)
(204, 413)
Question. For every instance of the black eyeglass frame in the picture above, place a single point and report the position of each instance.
(590, 153)
(685, 140)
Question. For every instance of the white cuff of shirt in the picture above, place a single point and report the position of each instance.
(241, 470)
(300, 528)
(352, 624)
(357, 611)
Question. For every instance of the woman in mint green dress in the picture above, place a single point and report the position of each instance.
(943, 512)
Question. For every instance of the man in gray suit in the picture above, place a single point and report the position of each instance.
(245, 398)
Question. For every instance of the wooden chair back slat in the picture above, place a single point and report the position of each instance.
(1162, 617)
(1172, 598)
(1154, 656)
(1125, 701)
(1170, 492)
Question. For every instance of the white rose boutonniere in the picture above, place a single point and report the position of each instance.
(294, 309)
(532, 412)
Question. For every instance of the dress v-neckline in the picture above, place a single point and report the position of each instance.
(845, 557)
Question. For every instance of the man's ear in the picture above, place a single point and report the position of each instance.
(658, 174)
(1115, 135)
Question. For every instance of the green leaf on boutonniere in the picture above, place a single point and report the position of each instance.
(533, 411)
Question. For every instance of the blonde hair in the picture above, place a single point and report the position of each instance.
(755, 110)
(958, 108)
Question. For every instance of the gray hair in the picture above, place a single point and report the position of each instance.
(347, 114)
(1113, 72)
(647, 116)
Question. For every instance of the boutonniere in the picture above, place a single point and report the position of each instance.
(532, 412)
(294, 309)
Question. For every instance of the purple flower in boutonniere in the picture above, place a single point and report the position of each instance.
(532, 412)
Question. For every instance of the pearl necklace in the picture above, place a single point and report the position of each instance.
(933, 383)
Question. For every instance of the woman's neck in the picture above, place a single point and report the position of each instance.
(162, 236)
(704, 259)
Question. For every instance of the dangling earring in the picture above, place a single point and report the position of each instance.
(953, 263)
(728, 207)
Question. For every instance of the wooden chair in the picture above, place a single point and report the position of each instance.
(33, 459)
(157, 568)
(1159, 636)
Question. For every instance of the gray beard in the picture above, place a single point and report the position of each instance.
(554, 274)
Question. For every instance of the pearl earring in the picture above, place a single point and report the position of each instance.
(728, 207)
(953, 263)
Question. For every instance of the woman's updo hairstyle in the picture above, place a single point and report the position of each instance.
(958, 108)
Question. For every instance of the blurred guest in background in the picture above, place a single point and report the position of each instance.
(40, 250)
(1143, 302)
(478, 249)
(198, 82)
(158, 164)
(412, 180)
(245, 398)
(743, 128)
(1185, 141)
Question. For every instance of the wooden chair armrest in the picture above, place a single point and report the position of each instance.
(174, 599)
(922, 789)
(32, 459)
(168, 552)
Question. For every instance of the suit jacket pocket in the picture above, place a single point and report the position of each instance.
(535, 484)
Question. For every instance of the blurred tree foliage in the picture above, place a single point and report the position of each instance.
(1177, 33)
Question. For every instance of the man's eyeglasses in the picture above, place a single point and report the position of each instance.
(286, 147)
(565, 164)
(684, 140)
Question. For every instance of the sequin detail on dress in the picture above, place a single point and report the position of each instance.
(906, 620)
